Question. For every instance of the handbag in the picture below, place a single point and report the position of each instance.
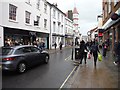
(99, 57)
(89, 55)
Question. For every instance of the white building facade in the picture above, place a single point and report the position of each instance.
(68, 32)
(24, 21)
(57, 26)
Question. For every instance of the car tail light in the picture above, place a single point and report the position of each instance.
(9, 59)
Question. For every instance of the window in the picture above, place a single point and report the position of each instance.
(45, 8)
(58, 16)
(45, 23)
(36, 23)
(19, 51)
(28, 1)
(33, 49)
(12, 12)
(62, 29)
(38, 4)
(110, 6)
(106, 10)
(27, 18)
(61, 18)
(53, 26)
(54, 13)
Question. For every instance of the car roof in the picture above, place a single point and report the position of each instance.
(20, 46)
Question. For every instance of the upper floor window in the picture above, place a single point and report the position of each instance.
(12, 12)
(28, 1)
(27, 17)
(110, 6)
(58, 16)
(45, 23)
(38, 4)
(45, 8)
(62, 18)
(54, 26)
(106, 10)
(54, 13)
(115, 2)
(36, 23)
(38, 18)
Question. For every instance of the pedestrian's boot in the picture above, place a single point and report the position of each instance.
(95, 64)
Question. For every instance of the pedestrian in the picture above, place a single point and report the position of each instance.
(83, 51)
(55, 45)
(104, 47)
(43, 45)
(117, 53)
(94, 51)
(6, 44)
(60, 45)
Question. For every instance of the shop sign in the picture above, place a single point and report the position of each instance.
(114, 16)
(100, 34)
(32, 33)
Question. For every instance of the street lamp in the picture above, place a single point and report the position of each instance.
(89, 35)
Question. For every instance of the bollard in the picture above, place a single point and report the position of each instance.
(72, 54)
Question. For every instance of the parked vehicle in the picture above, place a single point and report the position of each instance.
(19, 58)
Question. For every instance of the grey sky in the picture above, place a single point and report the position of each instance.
(88, 11)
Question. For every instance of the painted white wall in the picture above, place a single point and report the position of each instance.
(22, 6)
(60, 31)
(68, 26)
(1, 36)
(0, 13)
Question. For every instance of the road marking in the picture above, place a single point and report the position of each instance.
(67, 78)
(68, 58)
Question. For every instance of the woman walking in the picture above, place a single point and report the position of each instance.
(83, 51)
(94, 51)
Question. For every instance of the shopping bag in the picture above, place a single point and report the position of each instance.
(89, 55)
(99, 57)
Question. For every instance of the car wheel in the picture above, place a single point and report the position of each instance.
(46, 59)
(21, 67)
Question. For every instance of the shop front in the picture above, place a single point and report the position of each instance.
(57, 38)
(14, 36)
(68, 40)
(112, 33)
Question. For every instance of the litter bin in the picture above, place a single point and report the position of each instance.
(77, 53)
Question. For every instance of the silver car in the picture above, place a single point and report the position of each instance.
(19, 58)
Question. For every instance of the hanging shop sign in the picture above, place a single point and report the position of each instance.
(115, 16)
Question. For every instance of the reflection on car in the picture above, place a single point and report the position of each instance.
(19, 58)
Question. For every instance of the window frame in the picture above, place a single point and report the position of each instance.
(38, 4)
(12, 12)
(45, 8)
(27, 17)
(45, 23)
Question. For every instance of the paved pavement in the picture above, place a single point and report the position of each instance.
(53, 50)
(105, 75)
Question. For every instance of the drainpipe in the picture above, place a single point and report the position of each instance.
(50, 30)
